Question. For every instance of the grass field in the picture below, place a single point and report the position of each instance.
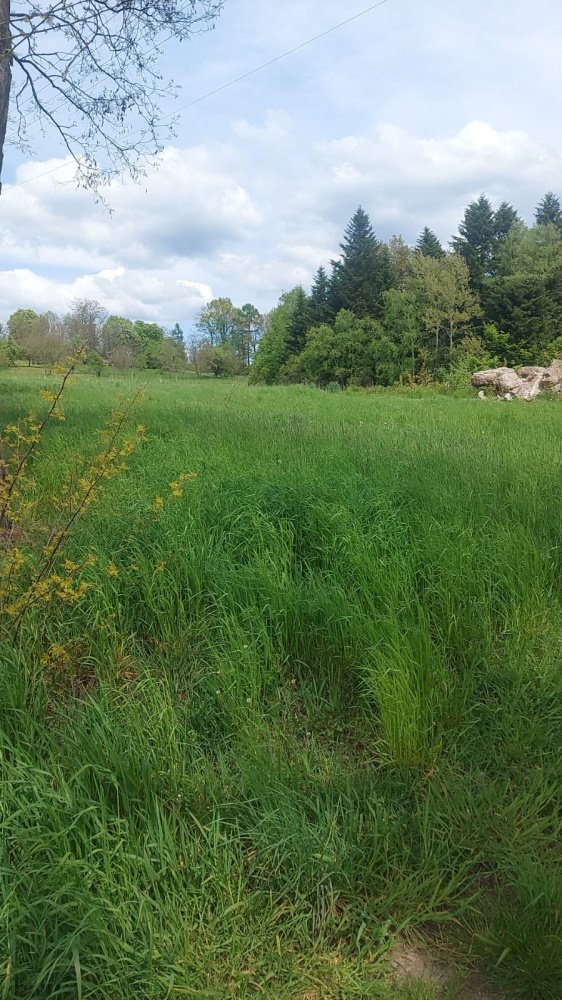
(308, 708)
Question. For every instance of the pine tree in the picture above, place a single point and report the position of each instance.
(476, 242)
(363, 272)
(299, 323)
(429, 245)
(548, 210)
(320, 307)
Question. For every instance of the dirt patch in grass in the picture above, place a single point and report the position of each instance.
(412, 963)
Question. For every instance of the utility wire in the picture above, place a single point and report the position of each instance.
(238, 79)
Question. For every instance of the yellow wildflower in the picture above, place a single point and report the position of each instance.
(158, 504)
(112, 570)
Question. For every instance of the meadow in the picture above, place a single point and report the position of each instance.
(309, 707)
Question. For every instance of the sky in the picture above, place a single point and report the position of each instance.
(411, 110)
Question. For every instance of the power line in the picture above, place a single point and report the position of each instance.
(283, 55)
(238, 79)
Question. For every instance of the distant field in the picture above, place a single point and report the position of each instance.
(309, 707)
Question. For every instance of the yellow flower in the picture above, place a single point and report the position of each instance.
(158, 504)
(112, 570)
(160, 566)
(141, 429)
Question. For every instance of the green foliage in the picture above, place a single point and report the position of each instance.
(363, 272)
(272, 352)
(549, 212)
(476, 240)
(320, 303)
(428, 244)
(309, 704)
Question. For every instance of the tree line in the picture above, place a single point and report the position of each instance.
(224, 341)
(44, 338)
(382, 312)
(386, 312)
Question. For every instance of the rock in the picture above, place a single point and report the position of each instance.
(481, 394)
(488, 377)
(525, 384)
(508, 380)
(552, 377)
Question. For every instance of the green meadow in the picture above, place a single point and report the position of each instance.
(309, 708)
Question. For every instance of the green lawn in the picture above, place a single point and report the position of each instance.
(314, 706)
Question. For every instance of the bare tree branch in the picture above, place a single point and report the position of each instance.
(88, 70)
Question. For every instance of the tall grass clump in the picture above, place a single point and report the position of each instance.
(307, 705)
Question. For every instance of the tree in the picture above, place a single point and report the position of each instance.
(353, 350)
(122, 357)
(402, 323)
(218, 321)
(22, 327)
(299, 323)
(401, 259)
(477, 239)
(548, 211)
(251, 329)
(446, 302)
(363, 272)
(84, 321)
(169, 355)
(505, 217)
(319, 299)
(35, 337)
(272, 352)
(200, 355)
(118, 332)
(428, 244)
(224, 360)
(176, 333)
(88, 70)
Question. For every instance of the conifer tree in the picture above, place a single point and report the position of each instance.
(504, 218)
(429, 245)
(299, 323)
(476, 242)
(363, 271)
(549, 210)
(320, 307)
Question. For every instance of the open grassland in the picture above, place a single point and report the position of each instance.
(310, 705)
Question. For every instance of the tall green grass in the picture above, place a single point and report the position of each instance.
(318, 707)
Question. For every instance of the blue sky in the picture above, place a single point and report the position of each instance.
(411, 110)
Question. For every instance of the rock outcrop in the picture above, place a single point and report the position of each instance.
(524, 383)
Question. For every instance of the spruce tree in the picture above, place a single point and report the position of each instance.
(548, 210)
(504, 218)
(429, 245)
(320, 307)
(299, 323)
(476, 242)
(363, 272)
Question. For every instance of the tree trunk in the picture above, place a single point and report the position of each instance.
(5, 74)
